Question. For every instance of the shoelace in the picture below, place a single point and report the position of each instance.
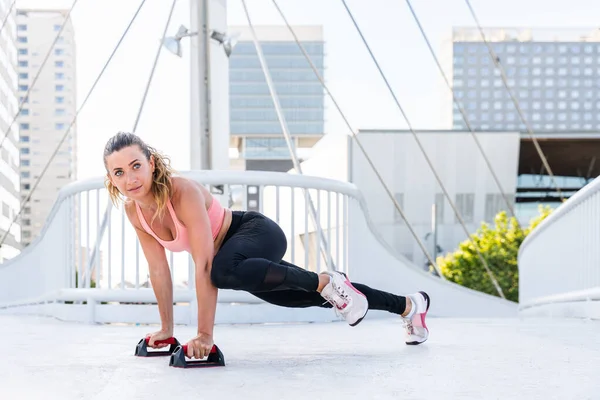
(408, 325)
(342, 295)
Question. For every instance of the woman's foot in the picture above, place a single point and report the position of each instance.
(347, 301)
(417, 305)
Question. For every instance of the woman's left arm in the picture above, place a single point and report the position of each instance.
(193, 215)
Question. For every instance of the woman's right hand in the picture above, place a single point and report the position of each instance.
(163, 334)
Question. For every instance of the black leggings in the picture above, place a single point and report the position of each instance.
(250, 259)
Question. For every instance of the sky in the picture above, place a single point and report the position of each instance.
(350, 73)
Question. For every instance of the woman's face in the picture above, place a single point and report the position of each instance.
(131, 172)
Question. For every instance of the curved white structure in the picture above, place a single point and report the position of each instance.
(54, 275)
(559, 262)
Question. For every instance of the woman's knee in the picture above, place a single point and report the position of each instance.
(222, 275)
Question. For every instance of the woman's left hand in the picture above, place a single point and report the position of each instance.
(200, 346)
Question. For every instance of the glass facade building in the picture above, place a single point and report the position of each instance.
(253, 117)
(554, 81)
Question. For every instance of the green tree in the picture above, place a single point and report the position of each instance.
(499, 246)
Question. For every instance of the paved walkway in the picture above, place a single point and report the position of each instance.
(47, 359)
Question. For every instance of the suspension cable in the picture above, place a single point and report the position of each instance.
(464, 115)
(355, 137)
(496, 61)
(282, 121)
(150, 78)
(456, 212)
(26, 200)
(39, 71)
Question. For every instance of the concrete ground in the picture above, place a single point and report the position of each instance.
(464, 359)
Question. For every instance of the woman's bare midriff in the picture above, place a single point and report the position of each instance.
(224, 228)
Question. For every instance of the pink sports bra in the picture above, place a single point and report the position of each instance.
(216, 214)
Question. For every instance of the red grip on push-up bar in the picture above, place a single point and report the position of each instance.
(185, 347)
(170, 340)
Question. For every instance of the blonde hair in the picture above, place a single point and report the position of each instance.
(162, 187)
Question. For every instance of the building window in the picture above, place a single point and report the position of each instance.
(465, 204)
(23, 63)
(59, 52)
(494, 203)
(59, 112)
(24, 150)
(24, 126)
(59, 99)
(22, 39)
(24, 111)
(59, 64)
(440, 200)
(22, 52)
(59, 75)
(23, 75)
(24, 139)
(59, 126)
(59, 88)
(21, 27)
(57, 28)
(23, 88)
(25, 174)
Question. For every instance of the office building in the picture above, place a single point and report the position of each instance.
(256, 133)
(9, 137)
(47, 112)
(553, 74)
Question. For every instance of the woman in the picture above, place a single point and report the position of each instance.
(231, 250)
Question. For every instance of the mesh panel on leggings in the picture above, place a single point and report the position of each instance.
(274, 277)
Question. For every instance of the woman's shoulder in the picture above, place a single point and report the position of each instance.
(183, 186)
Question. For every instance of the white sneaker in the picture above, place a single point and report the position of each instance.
(347, 301)
(414, 323)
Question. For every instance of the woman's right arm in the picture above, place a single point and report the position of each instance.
(160, 275)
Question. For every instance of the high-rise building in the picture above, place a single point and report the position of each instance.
(553, 75)
(9, 137)
(255, 129)
(47, 112)
(552, 72)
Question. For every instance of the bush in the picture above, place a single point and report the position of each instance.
(499, 246)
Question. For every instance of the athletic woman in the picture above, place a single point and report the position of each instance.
(231, 250)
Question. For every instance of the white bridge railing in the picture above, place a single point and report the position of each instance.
(559, 262)
(86, 267)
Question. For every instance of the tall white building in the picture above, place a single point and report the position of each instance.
(47, 113)
(9, 149)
